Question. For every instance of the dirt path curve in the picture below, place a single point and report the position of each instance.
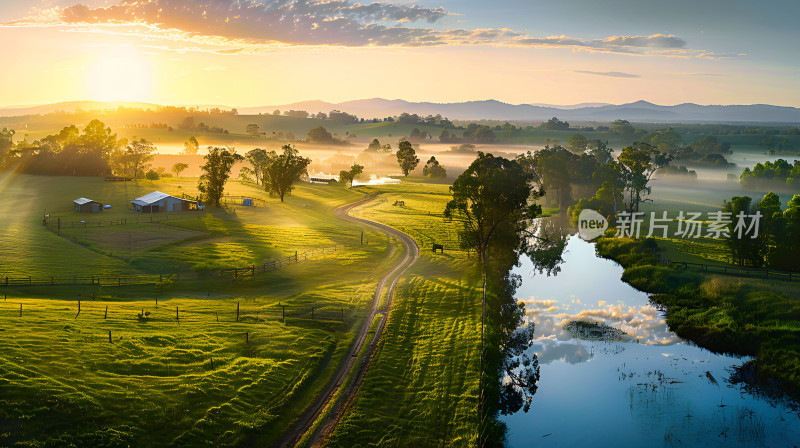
(311, 414)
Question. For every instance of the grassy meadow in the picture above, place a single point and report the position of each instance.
(235, 236)
(63, 383)
(422, 386)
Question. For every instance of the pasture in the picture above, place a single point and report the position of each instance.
(275, 337)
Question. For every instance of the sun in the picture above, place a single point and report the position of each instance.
(121, 74)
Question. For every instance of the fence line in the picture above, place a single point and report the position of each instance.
(58, 224)
(158, 279)
(112, 311)
(768, 274)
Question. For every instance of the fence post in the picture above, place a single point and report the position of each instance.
(105, 316)
(253, 269)
(177, 317)
(237, 311)
(109, 337)
(20, 310)
(295, 257)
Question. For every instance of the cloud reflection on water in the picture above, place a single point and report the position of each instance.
(645, 324)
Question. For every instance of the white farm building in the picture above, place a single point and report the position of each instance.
(161, 202)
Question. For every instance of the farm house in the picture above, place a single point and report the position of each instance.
(86, 205)
(161, 202)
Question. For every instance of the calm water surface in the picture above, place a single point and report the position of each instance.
(650, 389)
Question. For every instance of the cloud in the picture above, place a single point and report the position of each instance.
(653, 41)
(258, 26)
(644, 323)
(611, 74)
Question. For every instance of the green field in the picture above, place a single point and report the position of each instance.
(64, 383)
(236, 236)
(422, 387)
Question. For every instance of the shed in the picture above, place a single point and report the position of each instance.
(161, 202)
(86, 205)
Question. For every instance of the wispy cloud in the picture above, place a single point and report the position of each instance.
(611, 74)
(250, 26)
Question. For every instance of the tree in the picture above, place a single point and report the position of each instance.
(140, 153)
(253, 129)
(554, 124)
(406, 157)
(622, 127)
(178, 168)
(744, 251)
(6, 143)
(276, 112)
(284, 170)
(319, 135)
(667, 140)
(374, 146)
(599, 150)
(191, 146)
(493, 201)
(346, 177)
(216, 172)
(259, 160)
(578, 143)
(552, 168)
(98, 140)
(433, 169)
(151, 175)
(640, 161)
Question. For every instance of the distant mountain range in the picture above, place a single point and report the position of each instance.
(641, 111)
(496, 110)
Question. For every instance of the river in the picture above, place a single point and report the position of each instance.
(646, 387)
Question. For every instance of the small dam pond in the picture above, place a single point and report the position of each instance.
(613, 374)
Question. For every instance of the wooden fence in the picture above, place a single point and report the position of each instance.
(768, 274)
(233, 273)
(57, 224)
(246, 312)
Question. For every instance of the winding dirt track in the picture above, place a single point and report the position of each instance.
(311, 414)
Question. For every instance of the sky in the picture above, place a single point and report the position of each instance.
(269, 52)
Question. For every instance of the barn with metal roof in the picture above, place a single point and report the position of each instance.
(161, 202)
(86, 205)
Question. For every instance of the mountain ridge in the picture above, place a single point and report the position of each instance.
(641, 110)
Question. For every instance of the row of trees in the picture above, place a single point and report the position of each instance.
(72, 151)
(596, 177)
(187, 124)
(777, 174)
(778, 241)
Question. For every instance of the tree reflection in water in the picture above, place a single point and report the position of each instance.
(544, 243)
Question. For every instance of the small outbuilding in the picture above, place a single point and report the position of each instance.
(161, 202)
(86, 205)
